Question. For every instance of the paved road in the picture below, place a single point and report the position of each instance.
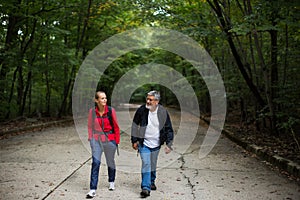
(55, 164)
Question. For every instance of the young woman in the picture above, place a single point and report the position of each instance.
(104, 136)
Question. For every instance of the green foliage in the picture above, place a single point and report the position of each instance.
(42, 45)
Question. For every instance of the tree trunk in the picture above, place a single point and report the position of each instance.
(9, 45)
(29, 76)
(226, 26)
(69, 87)
(48, 94)
(20, 88)
(11, 37)
(274, 78)
(47, 74)
(11, 91)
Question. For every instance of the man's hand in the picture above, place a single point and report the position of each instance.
(167, 150)
(135, 146)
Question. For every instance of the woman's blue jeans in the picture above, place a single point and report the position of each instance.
(149, 158)
(109, 149)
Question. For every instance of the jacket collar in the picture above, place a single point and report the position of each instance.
(105, 110)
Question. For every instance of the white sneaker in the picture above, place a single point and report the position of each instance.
(91, 194)
(111, 186)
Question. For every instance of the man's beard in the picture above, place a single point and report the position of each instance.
(149, 106)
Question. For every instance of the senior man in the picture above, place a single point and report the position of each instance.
(151, 128)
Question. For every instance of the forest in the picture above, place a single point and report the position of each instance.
(254, 44)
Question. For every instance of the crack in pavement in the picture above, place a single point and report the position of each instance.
(186, 177)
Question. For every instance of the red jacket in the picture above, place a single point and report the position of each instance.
(107, 127)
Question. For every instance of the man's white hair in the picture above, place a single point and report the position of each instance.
(154, 93)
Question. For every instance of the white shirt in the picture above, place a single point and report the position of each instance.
(152, 130)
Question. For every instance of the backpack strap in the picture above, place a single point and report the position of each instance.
(109, 115)
(93, 118)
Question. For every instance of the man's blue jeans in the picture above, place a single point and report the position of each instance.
(109, 149)
(149, 158)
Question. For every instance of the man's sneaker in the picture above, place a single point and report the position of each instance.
(91, 194)
(153, 186)
(145, 193)
(111, 186)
